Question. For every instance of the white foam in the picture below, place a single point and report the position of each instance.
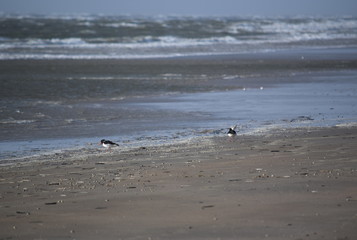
(214, 35)
(13, 121)
(351, 124)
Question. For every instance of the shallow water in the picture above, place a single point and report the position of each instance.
(169, 118)
(313, 104)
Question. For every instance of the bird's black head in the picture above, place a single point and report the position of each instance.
(231, 131)
(102, 141)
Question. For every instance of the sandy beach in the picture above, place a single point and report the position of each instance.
(284, 184)
(166, 89)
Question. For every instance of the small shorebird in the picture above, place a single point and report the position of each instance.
(107, 144)
(232, 132)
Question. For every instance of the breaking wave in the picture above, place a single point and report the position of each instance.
(130, 37)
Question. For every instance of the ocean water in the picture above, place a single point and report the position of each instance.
(68, 81)
(98, 37)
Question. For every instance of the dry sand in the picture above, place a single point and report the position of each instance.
(293, 184)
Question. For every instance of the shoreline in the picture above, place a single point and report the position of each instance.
(288, 184)
(166, 89)
(80, 106)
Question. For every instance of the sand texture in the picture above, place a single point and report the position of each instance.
(293, 184)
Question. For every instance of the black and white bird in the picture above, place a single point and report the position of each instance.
(108, 144)
(232, 132)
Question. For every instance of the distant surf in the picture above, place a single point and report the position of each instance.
(125, 37)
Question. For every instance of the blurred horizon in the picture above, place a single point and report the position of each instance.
(198, 8)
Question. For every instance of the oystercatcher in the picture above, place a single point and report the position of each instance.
(232, 132)
(108, 144)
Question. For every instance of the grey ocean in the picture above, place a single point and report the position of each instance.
(107, 37)
(68, 81)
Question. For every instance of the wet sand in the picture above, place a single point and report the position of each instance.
(283, 184)
(66, 100)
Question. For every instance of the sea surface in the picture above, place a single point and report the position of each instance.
(68, 81)
(98, 37)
